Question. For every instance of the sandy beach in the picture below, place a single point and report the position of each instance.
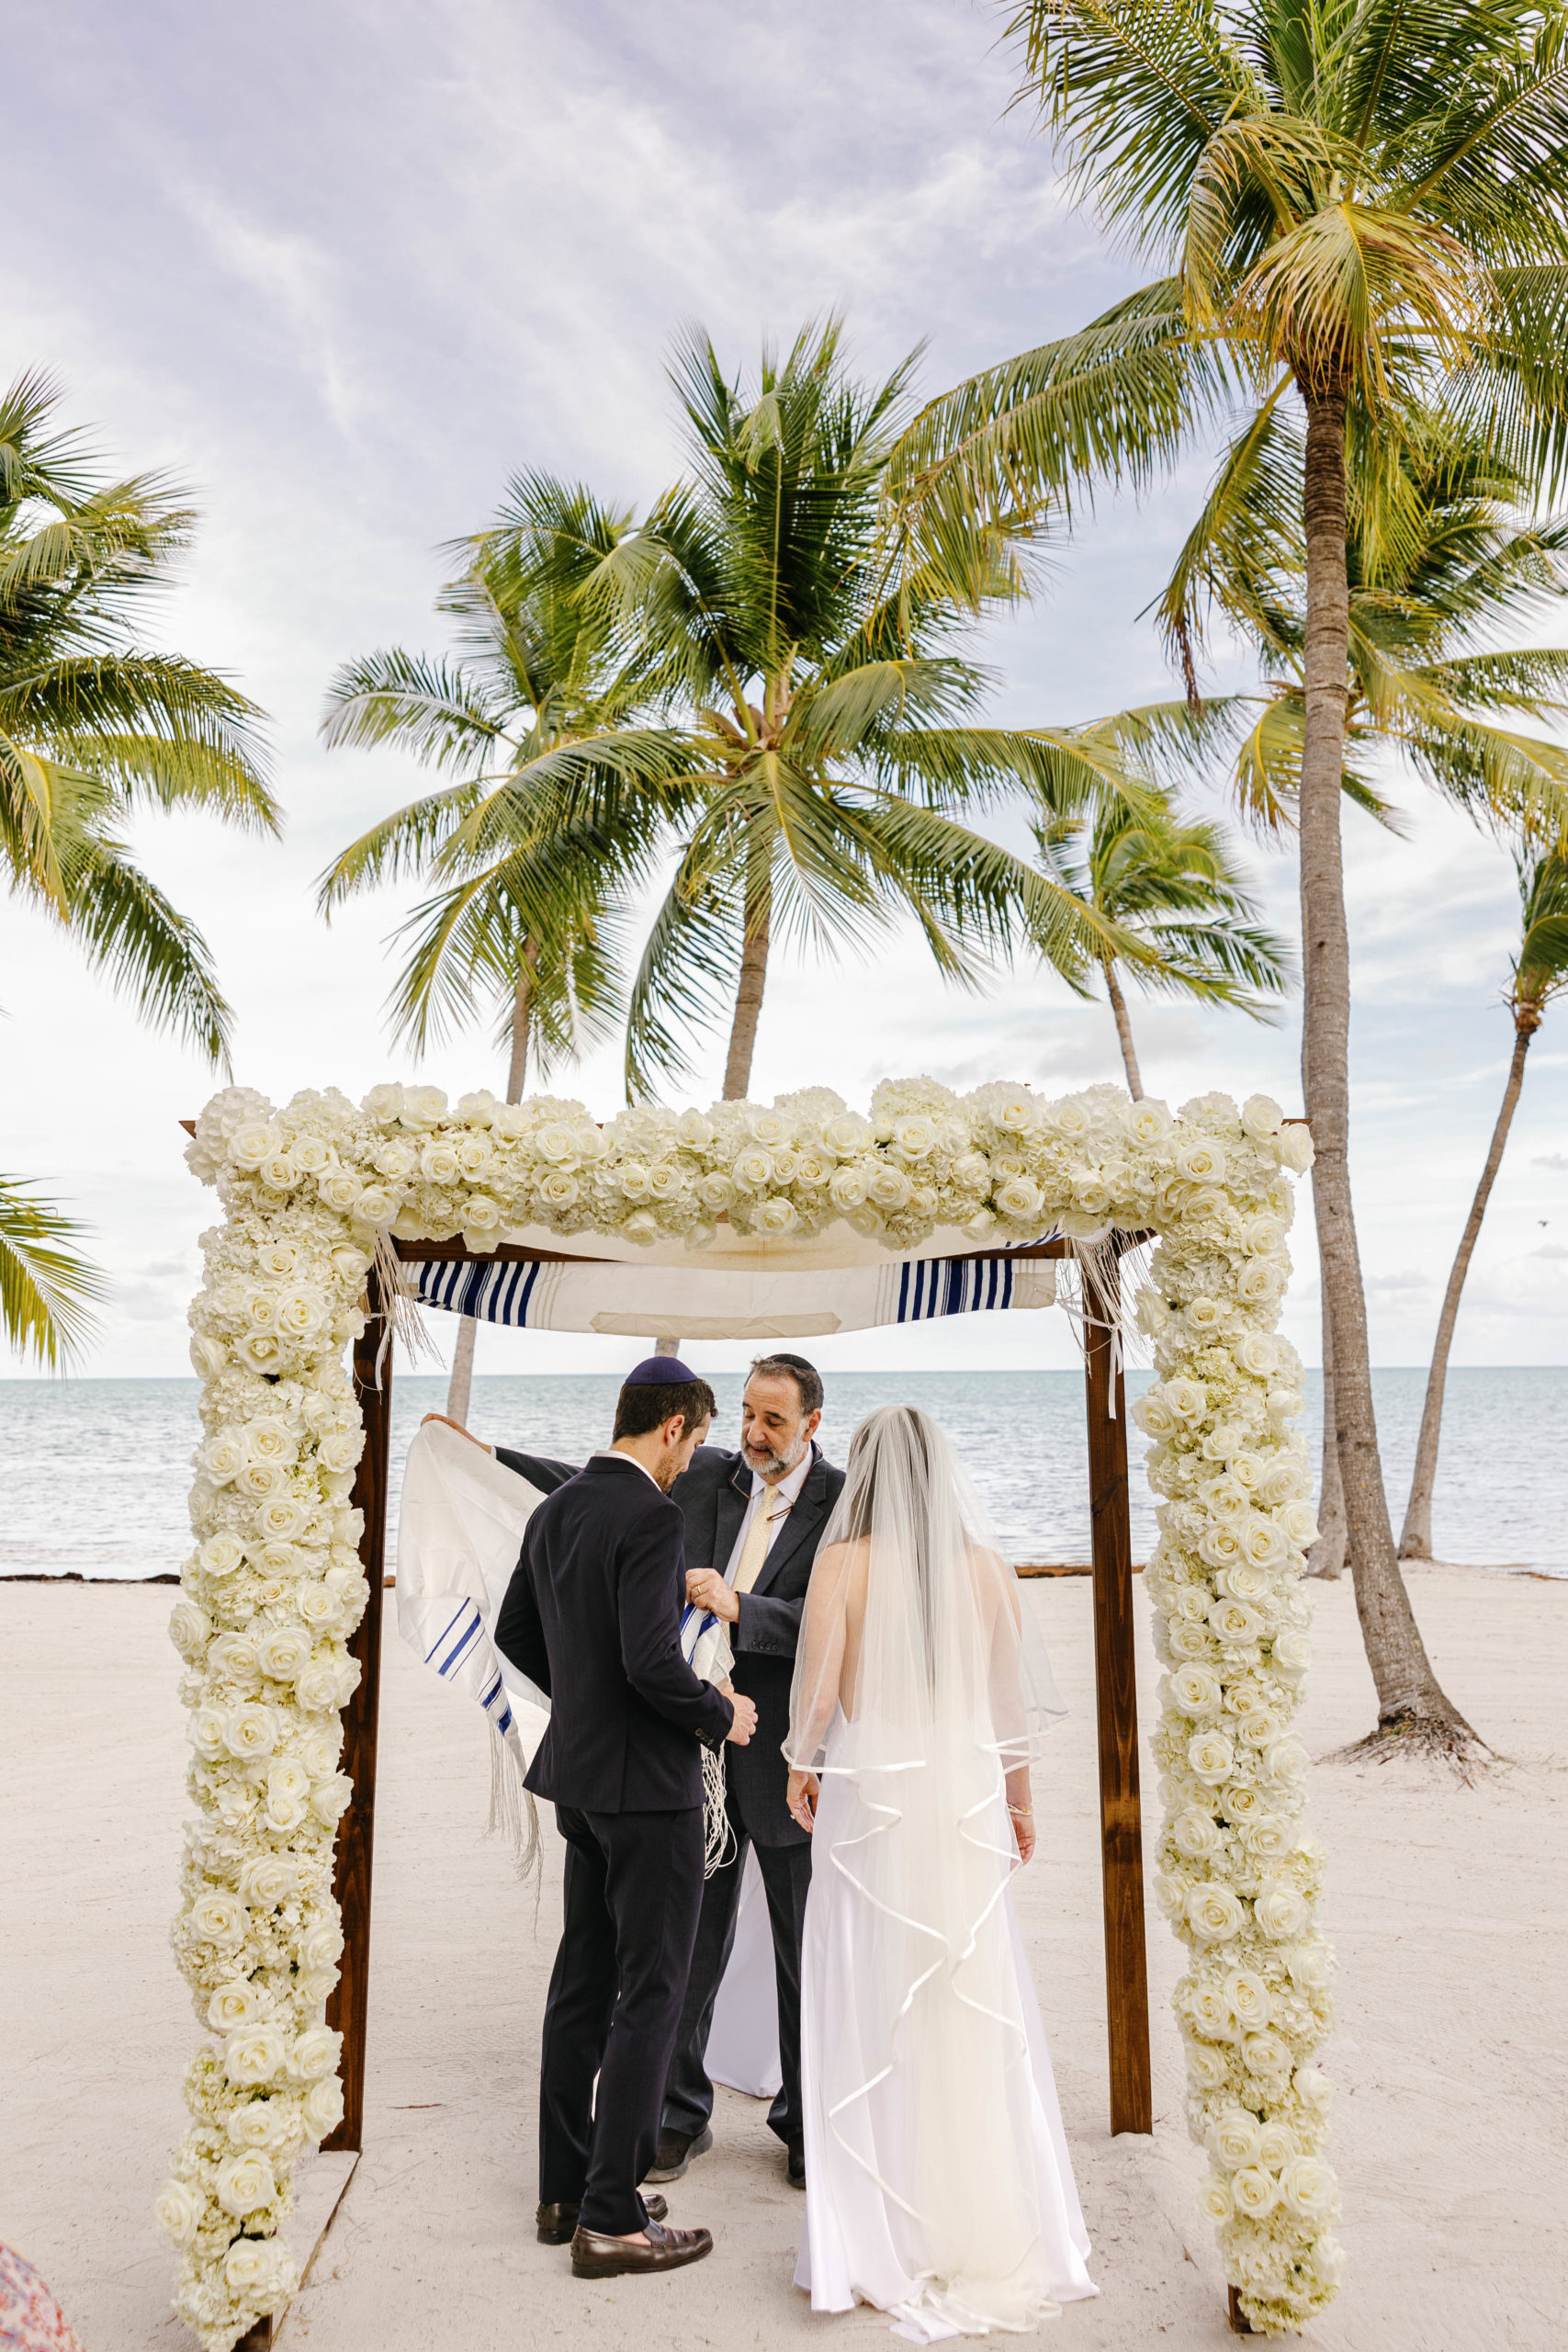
(1446, 1904)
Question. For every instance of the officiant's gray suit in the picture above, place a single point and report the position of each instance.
(714, 1495)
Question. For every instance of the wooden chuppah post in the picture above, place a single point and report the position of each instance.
(1116, 1701)
(349, 2004)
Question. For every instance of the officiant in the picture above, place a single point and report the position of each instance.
(755, 1517)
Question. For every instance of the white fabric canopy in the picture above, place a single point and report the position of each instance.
(702, 1300)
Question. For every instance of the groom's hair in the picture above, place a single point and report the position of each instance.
(640, 1408)
(806, 1376)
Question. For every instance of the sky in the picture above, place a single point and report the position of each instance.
(344, 269)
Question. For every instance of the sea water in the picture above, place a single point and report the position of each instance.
(94, 1473)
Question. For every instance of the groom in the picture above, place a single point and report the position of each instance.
(756, 1516)
(592, 1616)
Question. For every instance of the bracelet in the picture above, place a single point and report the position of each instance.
(1022, 1812)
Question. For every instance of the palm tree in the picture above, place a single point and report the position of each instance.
(553, 808)
(1364, 208)
(95, 729)
(1175, 888)
(1539, 973)
(45, 1283)
(830, 716)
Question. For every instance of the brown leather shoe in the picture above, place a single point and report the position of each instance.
(675, 2151)
(556, 2224)
(595, 2256)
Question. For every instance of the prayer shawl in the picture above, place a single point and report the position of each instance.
(459, 1533)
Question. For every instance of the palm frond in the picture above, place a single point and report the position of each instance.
(47, 1287)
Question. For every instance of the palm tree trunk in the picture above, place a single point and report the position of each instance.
(1411, 1702)
(1415, 1542)
(1124, 1030)
(753, 980)
(1326, 1557)
(459, 1386)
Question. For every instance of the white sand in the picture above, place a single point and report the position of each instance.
(1444, 1903)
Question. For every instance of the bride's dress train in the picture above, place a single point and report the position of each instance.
(939, 2185)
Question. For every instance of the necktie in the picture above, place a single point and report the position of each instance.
(754, 1551)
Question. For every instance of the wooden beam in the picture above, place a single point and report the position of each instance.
(348, 2007)
(1116, 1709)
(456, 1253)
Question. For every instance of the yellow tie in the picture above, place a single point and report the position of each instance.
(754, 1551)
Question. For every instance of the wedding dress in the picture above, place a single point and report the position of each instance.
(938, 2185)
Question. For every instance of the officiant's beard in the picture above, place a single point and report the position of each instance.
(769, 1466)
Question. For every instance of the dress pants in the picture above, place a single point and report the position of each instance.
(786, 1878)
(633, 1890)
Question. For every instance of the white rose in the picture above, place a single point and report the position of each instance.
(268, 1880)
(1295, 1148)
(716, 1190)
(1195, 1690)
(693, 1131)
(777, 1216)
(754, 1170)
(1265, 2056)
(1262, 1543)
(481, 1220)
(972, 1171)
(768, 1127)
(244, 2181)
(189, 1628)
(1018, 1116)
(276, 1560)
(300, 1313)
(1091, 1194)
(888, 1186)
(1277, 2146)
(1213, 1913)
(1219, 1545)
(319, 1607)
(847, 1190)
(316, 1688)
(250, 1144)
(1019, 1199)
(1298, 1523)
(1188, 1399)
(1248, 1996)
(423, 1106)
(1210, 1756)
(321, 1945)
(1223, 1441)
(233, 2007)
(1244, 1580)
(555, 1145)
(1260, 1117)
(1258, 1281)
(914, 1136)
(439, 1163)
(1313, 2089)
(846, 1134)
(979, 1225)
(331, 1798)
(1280, 1912)
(205, 1731)
(1287, 1762)
(259, 1479)
(278, 1171)
(813, 1170)
(251, 1730)
(1203, 1316)
(667, 1183)
(1254, 2192)
(557, 1190)
(1194, 1835)
(1306, 2188)
(642, 1225)
(340, 1449)
(177, 2211)
(259, 1350)
(1266, 1837)
(378, 1204)
(223, 1456)
(250, 2266)
(280, 1519)
(267, 1439)
(1202, 1162)
(1234, 1622)
(1149, 1122)
(255, 2056)
(287, 1776)
(1225, 1500)
(1210, 2014)
(1233, 2138)
(208, 1356)
(1154, 1416)
(383, 1104)
(1214, 2198)
(1292, 1652)
(314, 2054)
(1257, 1353)
(1209, 2069)
(322, 2107)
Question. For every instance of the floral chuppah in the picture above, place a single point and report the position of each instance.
(274, 1587)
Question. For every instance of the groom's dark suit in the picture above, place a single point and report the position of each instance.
(713, 1496)
(592, 1616)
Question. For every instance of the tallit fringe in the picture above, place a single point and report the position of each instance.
(718, 1835)
(513, 1811)
(406, 1320)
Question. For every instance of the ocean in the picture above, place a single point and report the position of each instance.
(94, 1471)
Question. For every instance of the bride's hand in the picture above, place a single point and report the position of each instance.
(1024, 1836)
(803, 1792)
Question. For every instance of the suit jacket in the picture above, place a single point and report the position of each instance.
(713, 1494)
(593, 1615)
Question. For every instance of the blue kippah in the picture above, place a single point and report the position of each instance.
(659, 1371)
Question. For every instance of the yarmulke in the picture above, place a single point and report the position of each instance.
(659, 1371)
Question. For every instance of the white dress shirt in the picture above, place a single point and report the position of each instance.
(613, 1454)
(787, 1494)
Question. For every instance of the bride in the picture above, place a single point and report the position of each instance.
(938, 2182)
